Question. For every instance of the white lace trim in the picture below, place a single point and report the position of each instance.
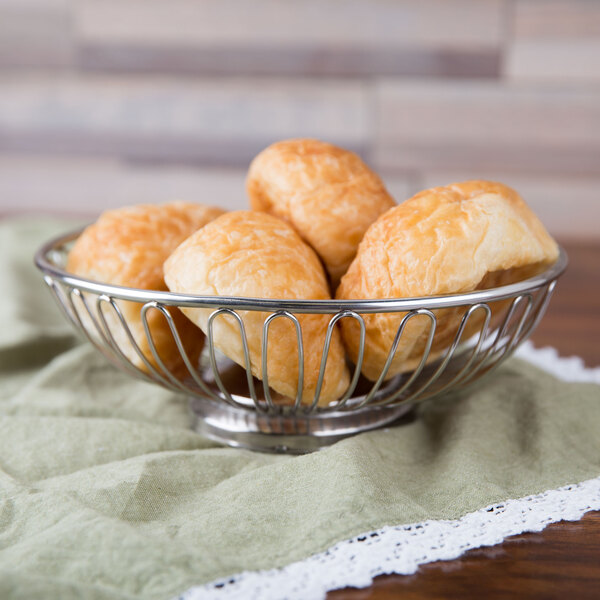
(570, 368)
(401, 549)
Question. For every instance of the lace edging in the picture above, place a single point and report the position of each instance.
(570, 368)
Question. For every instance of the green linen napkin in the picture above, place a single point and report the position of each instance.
(106, 493)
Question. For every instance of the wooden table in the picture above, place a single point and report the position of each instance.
(563, 561)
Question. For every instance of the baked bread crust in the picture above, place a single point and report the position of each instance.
(128, 247)
(253, 254)
(444, 240)
(326, 193)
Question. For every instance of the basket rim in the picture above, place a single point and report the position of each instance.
(52, 272)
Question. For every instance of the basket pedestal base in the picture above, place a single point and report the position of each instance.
(247, 428)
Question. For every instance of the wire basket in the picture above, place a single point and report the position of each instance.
(232, 406)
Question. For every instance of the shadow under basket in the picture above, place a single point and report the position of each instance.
(231, 406)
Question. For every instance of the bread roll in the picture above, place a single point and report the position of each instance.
(326, 193)
(128, 247)
(444, 240)
(253, 254)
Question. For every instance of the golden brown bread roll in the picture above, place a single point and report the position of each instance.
(326, 193)
(128, 247)
(246, 253)
(444, 240)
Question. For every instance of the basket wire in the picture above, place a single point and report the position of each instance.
(230, 405)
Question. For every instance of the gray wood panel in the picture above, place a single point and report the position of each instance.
(556, 18)
(88, 186)
(377, 23)
(423, 125)
(555, 41)
(170, 120)
(36, 34)
(311, 37)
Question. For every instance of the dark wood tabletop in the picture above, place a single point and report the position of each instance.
(563, 561)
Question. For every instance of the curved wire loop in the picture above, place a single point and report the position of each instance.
(150, 372)
(514, 338)
(341, 403)
(247, 364)
(396, 393)
(114, 345)
(245, 348)
(265, 371)
(58, 294)
(420, 394)
(503, 340)
(542, 300)
(192, 370)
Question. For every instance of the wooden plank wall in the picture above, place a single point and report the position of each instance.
(110, 102)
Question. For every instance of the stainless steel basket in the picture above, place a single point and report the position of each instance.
(235, 408)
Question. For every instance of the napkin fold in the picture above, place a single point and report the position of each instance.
(106, 492)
